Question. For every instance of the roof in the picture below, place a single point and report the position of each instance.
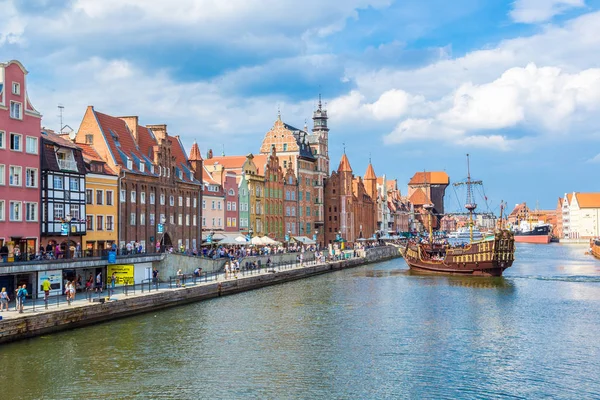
(588, 200)
(370, 174)
(344, 164)
(90, 154)
(419, 197)
(518, 209)
(431, 178)
(50, 135)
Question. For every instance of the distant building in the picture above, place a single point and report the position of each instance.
(581, 215)
(433, 187)
(19, 162)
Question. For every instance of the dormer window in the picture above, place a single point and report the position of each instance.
(16, 88)
(142, 167)
(129, 163)
(151, 168)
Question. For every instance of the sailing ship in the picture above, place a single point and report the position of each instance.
(489, 256)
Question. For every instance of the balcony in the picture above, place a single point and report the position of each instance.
(68, 165)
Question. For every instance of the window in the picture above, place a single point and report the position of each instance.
(31, 214)
(88, 196)
(59, 211)
(233, 206)
(180, 201)
(228, 222)
(228, 206)
(109, 197)
(143, 197)
(2, 140)
(234, 222)
(132, 219)
(204, 204)
(293, 211)
(89, 222)
(194, 220)
(212, 205)
(308, 211)
(99, 197)
(187, 201)
(2, 210)
(307, 196)
(152, 197)
(14, 176)
(285, 147)
(15, 211)
(142, 167)
(15, 142)
(203, 221)
(152, 221)
(171, 219)
(195, 202)
(172, 201)
(16, 88)
(187, 219)
(31, 177)
(15, 110)
(162, 219)
(129, 164)
(133, 196)
(58, 182)
(100, 222)
(142, 219)
(110, 224)
(213, 221)
(299, 211)
(123, 195)
(180, 219)
(308, 227)
(219, 204)
(74, 184)
(300, 196)
(31, 145)
(293, 195)
(89, 139)
(162, 199)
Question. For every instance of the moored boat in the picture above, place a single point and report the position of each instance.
(595, 248)
(540, 233)
(489, 256)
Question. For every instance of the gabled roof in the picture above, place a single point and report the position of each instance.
(344, 164)
(91, 155)
(430, 178)
(588, 200)
(195, 153)
(419, 197)
(519, 208)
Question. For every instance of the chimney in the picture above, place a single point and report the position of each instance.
(132, 124)
(160, 131)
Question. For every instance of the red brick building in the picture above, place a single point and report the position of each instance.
(158, 184)
(273, 201)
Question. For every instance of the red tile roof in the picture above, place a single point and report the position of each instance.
(195, 153)
(344, 164)
(434, 178)
(419, 197)
(370, 174)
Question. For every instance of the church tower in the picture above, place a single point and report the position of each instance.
(370, 180)
(318, 140)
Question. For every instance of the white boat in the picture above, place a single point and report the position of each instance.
(463, 234)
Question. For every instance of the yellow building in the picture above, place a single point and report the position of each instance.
(102, 203)
(256, 187)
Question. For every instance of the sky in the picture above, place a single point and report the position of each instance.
(412, 85)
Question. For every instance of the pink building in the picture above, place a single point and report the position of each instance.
(20, 128)
(231, 197)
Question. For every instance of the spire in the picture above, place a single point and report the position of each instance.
(278, 113)
(319, 108)
(195, 153)
(370, 174)
(344, 164)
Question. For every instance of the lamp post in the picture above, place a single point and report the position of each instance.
(68, 219)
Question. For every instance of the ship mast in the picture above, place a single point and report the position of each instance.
(470, 206)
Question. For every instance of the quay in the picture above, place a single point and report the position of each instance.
(36, 320)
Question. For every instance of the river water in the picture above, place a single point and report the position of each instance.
(373, 332)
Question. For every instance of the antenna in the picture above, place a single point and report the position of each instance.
(61, 108)
(344, 144)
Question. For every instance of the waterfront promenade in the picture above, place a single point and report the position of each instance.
(125, 301)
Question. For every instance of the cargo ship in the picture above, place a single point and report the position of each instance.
(485, 257)
(595, 248)
(539, 233)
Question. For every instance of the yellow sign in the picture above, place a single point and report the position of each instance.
(123, 273)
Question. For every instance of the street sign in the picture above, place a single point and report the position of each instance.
(112, 257)
(64, 229)
(161, 228)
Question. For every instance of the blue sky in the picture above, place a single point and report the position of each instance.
(416, 84)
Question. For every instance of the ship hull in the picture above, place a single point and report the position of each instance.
(485, 258)
(538, 239)
(596, 249)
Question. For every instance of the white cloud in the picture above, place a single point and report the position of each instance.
(533, 11)
(594, 160)
(12, 25)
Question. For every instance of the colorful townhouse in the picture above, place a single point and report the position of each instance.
(19, 163)
(63, 194)
(213, 200)
(101, 200)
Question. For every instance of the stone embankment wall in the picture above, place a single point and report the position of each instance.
(77, 316)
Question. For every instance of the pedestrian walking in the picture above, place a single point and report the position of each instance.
(113, 280)
(99, 282)
(4, 299)
(179, 277)
(21, 296)
(155, 277)
(46, 286)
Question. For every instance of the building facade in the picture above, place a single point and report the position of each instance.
(159, 187)
(19, 162)
(63, 194)
(274, 189)
(581, 215)
(433, 187)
